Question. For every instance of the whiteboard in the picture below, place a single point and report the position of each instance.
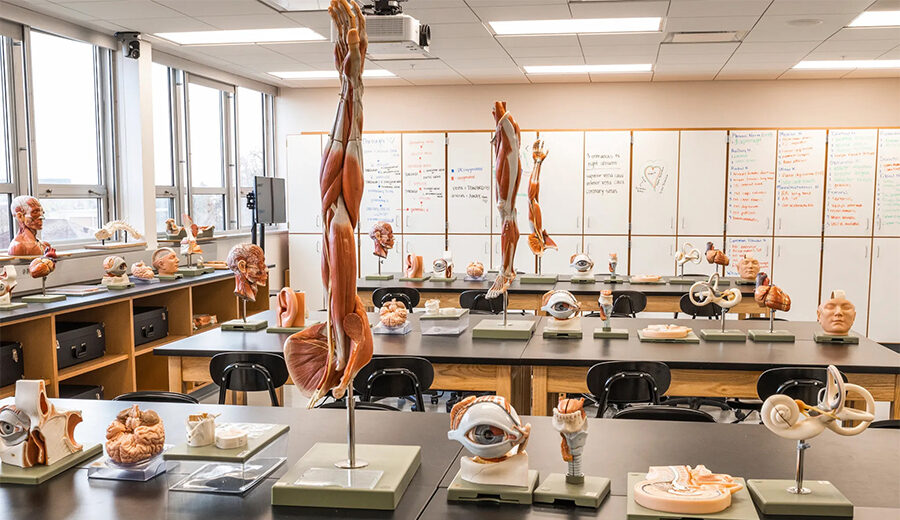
(469, 182)
(850, 184)
(757, 247)
(701, 182)
(654, 182)
(382, 199)
(795, 267)
(799, 182)
(887, 192)
(561, 176)
(607, 164)
(751, 182)
(302, 161)
(424, 174)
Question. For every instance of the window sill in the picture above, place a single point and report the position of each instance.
(76, 252)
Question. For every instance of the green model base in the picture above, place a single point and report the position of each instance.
(379, 277)
(289, 330)
(617, 279)
(764, 336)
(590, 493)
(838, 340)
(773, 498)
(44, 298)
(462, 491)
(538, 278)
(723, 335)
(316, 482)
(741, 281)
(604, 333)
(240, 325)
(690, 338)
(169, 277)
(682, 280)
(443, 279)
(741, 507)
(583, 279)
(35, 475)
(409, 279)
(191, 271)
(119, 286)
(12, 306)
(495, 329)
(649, 282)
(210, 453)
(562, 334)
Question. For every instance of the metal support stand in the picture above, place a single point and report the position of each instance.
(537, 260)
(505, 308)
(771, 320)
(351, 462)
(43, 286)
(244, 310)
(798, 488)
(723, 318)
(379, 265)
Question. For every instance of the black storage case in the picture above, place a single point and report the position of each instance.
(81, 391)
(12, 365)
(150, 324)
(78, 341)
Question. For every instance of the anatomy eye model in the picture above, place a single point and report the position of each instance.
(486, 434)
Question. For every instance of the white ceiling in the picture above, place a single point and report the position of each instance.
(469, 53)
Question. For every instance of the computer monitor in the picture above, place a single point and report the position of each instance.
(270, 200)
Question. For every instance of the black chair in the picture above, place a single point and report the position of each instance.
(620, 383)
(796, 382)
(409, 296)
(665, 413)
(710, 311)
(626, 304)
(153, 396)
(248, 372)
(478, 303)
(359, 405)
(887, 424)
(400, 376)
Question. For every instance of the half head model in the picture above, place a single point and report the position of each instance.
(508, 174)
(29, 216)
(539, 240)
(383, 235)
(165, 260)
(248, 263)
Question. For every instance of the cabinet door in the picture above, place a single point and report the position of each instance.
(751, 182)
(757, 247)
(429, 247)
(884, 326)
(799, 182)
(470, 248)
(607, 164)
(703, 267)
(887, 185)
(524, 259)
(599, 248)
(382, 196)
(845, 265)
(558, 261)
(795, 270)
(368, 262)
(654, 182)
(701, 182)
(850, 186)
(469, 182)
(302, 161)
(526, 142)
(305, 257)
(561, 176)
(652, 255)
(424, 174)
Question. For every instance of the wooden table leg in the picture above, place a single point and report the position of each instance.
(538, 390)
(175, 380)
(504, 382)
(895, 404)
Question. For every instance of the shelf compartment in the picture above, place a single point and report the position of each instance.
(215, 298)
(90, 366)
(152, 372)
(178, 306)
(37, 337)
(140, 350)
(116, 378)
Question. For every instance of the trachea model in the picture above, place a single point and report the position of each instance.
(570, 420)
(538, 240)
(507, 175)
(326, 356)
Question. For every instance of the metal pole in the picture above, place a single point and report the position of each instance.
(538, 260)
(505, 309)
(379, 264)
(771, 320)
(351, 462)
(244, 311)
(798, 488)
(723, 318)
(43, 286)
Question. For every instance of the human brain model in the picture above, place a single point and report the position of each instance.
(135, 436)
(393, 314)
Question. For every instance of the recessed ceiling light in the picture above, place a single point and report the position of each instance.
(593, 69)
(805, 22)
(877, 19)
(286, 34)
(847, 64)
(578, 26)
(329, 74)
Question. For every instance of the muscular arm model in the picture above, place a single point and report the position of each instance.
(507, 177)
(538, 240)
(326, 356)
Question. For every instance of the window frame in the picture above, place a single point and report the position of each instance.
(266, 107)
(10, 100)
(173, 191)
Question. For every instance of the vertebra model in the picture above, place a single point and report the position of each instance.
(111, 227)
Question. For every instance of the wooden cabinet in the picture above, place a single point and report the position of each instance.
(887, 184)
(799, 182)
(654, 182)
(845, 265)
(795, 268)
(561, 175)
(302, 161)
(850, 184)
(424, 186)
(599, 248)
(884, 325)
(652, 255)
(607, 167)
(751, 182)
(469, 180)
(701, 182)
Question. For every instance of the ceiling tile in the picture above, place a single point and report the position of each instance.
(615, 78)
(756, 68)
(110, 10)
(512, 3)
(523, 12)
(446, 15)
(559, 78)
(316, 20)
(778, 29)
(524, 42)
(765, 59)
(302, 50)
(619, 9)
(219, 7)
(691, 8)
(745, 76)
(546, 52)
(787, 48)
(817, 7)
(624, 54)
(879, 46)
(495, 79)
(812, 74)
(893, 54)
(867, 33)
(846, 54)
(692, 49)
(158, 25)
(254, 21)
(443, 31)
(686, 68)
(601, 40)
(871, 73)
(710, 23)
(575, 60)
(685, 76)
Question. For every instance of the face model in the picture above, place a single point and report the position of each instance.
(837, 314)
(748, 268)
(31, 214)
(383, 235)
(248, 263)
(165, 261)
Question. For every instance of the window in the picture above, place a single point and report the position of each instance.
(7, 116)
(207, 139)
(163, 144)
(251, 146)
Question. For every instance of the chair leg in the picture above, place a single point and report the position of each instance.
(272, 394)
(222, 393)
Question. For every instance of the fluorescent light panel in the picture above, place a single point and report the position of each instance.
(578, 26)
(286, 34)
(877, 19)
(329, 74)
(847, 64)
(591, 69)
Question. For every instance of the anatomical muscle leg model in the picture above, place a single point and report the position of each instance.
(507, 175)
(326, 356)
(538, 240)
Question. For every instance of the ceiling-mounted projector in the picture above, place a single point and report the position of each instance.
(392, 35)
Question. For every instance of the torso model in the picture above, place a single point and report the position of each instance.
(508, 174)
(538, 240)
(836, 314)
(29, 217)
(383, 235)
(327, 356)
(248, 263)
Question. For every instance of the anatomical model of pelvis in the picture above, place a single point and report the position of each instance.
(33, 431)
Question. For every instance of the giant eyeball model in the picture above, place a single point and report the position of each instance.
(135, 436)
(560, 304)
(488, 427)
(581, 263)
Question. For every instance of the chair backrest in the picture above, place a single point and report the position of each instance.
(708, 311)
(395, 376)
(665, 413)
(801, 383)
(360, 405)
(626, 304)
(889, 424)
(153, 396)
(408, 295)
(627, 382)
(476, 301)
(248, 372)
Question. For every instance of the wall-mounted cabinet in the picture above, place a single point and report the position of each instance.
(850, 183)
(701, 182)
(652, 255)
(561, 205)
(607, 167)
(654, 182)
(599, 247)
(883, 323)
(845, 265)
(469, 195)
(795, 268)
(799, 182)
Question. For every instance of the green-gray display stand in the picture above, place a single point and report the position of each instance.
(741, 507)
(723, 335)
(120, 286)
(551, 332)
(772, 498)
(316, 482)
(590, 493)
(35, 475)
(661, 281)
(44, 298)
(382, 277)
(765, 336)
(741, 281)
(240, 325)
(617, 279)
(12, 306)
(604, 333)
(169, 277)
(583, 279)
(690, 338)
(462, 491)
(538, 278)
(191, 271)
(685, 280)
(443, 279)
(411, 279)
(838, 340)
(495, 329)
(289, 330)
(255, 443)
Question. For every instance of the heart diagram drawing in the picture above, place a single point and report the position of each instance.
(654, 177)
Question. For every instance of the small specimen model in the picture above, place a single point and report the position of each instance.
(432, 307)
(507, 175)
(560, 304)
(582, 264)
(666, 331)
(189, 247)
(703, 293)
(490, 429)
(645, 278)
(327, 356)
(748, 268)
(110, 228)
(291, 308)
(248, 263)
(115, 271)
(195, 230)
(613, 263)
(414, 267)
(383, 235)
(539, 240)
(201, 429)
(29, 216)
(836, 314)
(229, 438)
(606, 306)
(165, 261)
(685, 490)
(688, 253)
(7, 284)
(475, 270)
(443, 266)
(570, 420)
(141, 271)
(173, 230)
(769, 295)
(32, 431)
(135, 436)
(393, 314)
(716, 256)
(203, 320)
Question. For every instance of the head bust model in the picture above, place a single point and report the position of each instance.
(114, 266)
(248, 263)
(836, 314)
(748, 268)
(165, 261)
(383, 235)
(29, 216)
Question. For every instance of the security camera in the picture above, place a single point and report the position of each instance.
(131, 44)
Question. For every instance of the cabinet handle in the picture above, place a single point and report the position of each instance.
(318, 221)
(588, 222)
(866, 251)
(768, 223)
(682, 222)
(577, 222)
(867, 223)
(671, 222)
(779, 223)
(407, 221)
(485, 248)
(485, 221)
(877, 251)
(589, 249)
(879, 223)
(671, 251)
(318, 246)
